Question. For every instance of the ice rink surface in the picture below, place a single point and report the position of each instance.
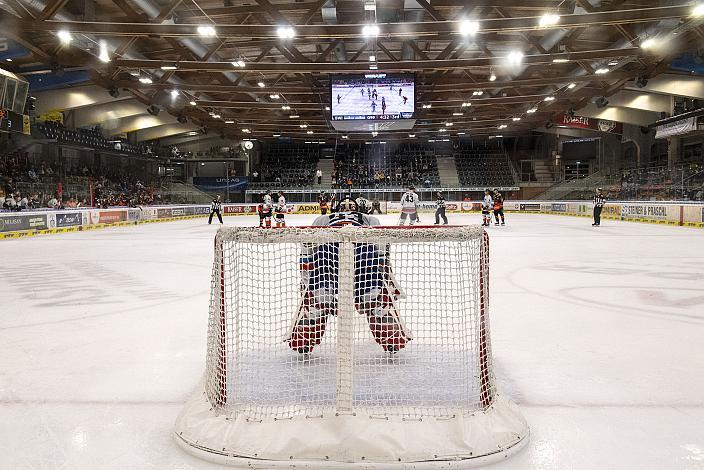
(598, 334)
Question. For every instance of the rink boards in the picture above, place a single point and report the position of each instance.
(29, 223)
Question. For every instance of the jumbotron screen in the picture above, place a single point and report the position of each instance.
(372, 97)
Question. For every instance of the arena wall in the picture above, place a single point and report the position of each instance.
(29, 223)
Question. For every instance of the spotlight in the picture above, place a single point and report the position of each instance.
(286, 32)
(104, 56)
(261, 84)
(206, 31)
(532, 110)
(515, 57)
(641, 82)
(238, 63)
(153, 110)
(571, 85)
(114, 92)
(548, 19)
(648, 44)
(370, 30)
(492, 77)
(65, 37)
(549, 98)
(698, 10)
(601, 71)
(601, 102)
(145, 80)
(192, 103)
(174, 93)
(469, 28)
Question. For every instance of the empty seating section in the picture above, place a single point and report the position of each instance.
(92, 138)
(384, 166)
(287, 165)
(483, 167)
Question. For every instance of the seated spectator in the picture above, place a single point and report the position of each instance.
(53, 203)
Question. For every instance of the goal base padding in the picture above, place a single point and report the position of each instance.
(358, 441)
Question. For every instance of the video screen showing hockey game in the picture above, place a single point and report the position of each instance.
(373, 96)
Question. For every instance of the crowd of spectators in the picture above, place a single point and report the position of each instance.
(683, 183)
(288, 165)
(379, 167)
(32, 185)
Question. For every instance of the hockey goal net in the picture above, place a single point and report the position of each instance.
(332, 347)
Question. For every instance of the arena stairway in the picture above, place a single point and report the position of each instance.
(327, 166)
(447, 170)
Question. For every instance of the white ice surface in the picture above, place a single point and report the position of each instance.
(598, 334)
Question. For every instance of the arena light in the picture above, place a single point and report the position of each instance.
(516, 119)
(458, 114)
(275, 96)
(294, 116)
(477, 93)
(412, 136)
(469, 28)
(192, 103)
(374, 134)
(285, 107)
(461, 133)
(246, 131)
(65, 37)
(548, 19)
(206, 31)
(327, 108)
(303, 126)
(492, 77)
(649, 43)
(442, 129)
(238, 63)
(559, 61)
(503, 126)
(613, 63)
(229, 122)
(145, 80)
(571, 85)
(466, 104)
(601, 71)
(168, 67)
(276, 135)
(448, 124)
(698, 10)
(261, 84)
(345, 137)
(370, 30)
(532, 110)
(549, 98)
(427, 106)
(309, 132)
(286, 32)
(373, 67)
(515, 58)
(174, 93)
(372, 58)
(104, 56)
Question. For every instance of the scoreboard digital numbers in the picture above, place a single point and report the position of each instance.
(11, 121)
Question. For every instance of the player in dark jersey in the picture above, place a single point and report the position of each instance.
(499, 207)
(323, 202)
(376, 291)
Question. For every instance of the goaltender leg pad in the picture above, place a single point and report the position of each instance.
(309, 324)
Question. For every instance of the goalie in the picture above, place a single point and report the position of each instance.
(376, 291)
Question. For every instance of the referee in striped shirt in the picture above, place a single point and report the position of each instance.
(599, 201)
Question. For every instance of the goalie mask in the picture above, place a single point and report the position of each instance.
(347, 205)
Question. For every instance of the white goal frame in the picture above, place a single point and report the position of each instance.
(341, 434)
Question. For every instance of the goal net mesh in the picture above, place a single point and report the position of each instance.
(379, 321)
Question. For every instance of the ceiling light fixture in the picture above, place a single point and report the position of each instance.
(466, 104)
(294, 116)
(492, 77)
(548, 19)
(571, 85)
(309, 132)
(275, 96)
(515, 58)
(532, 110)
(648, 44)
(469, 28)
(238, 63)
(503, 126)
(370, 30)
(65, 37)
(372, 58)
(458, 114)
(601, 71)
(286, 32)
(145, 80)
(549, 98)
(192, 103)
(174, 93)
(206, 31)
(698, 9)
(559, 61)
(168, 67)
(477, 93)
(516, 119)
(261, 84)
(104, 56)
(303, 126)
(285, 107)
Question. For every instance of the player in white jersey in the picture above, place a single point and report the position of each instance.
(265, 209)
(281, 211)
(409, 206)
(376, 291)
(487, 207)
(363, 205)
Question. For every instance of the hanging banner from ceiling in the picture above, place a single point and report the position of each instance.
(683, 126)
(592, 124)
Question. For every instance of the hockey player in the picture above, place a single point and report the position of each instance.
(376, 291)
(499, 207)
(264, 209)
(281, 211)
(323, 201)
(215, 208)
(487, 206)
(409, 206)
(440, 210)
(363, 205)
